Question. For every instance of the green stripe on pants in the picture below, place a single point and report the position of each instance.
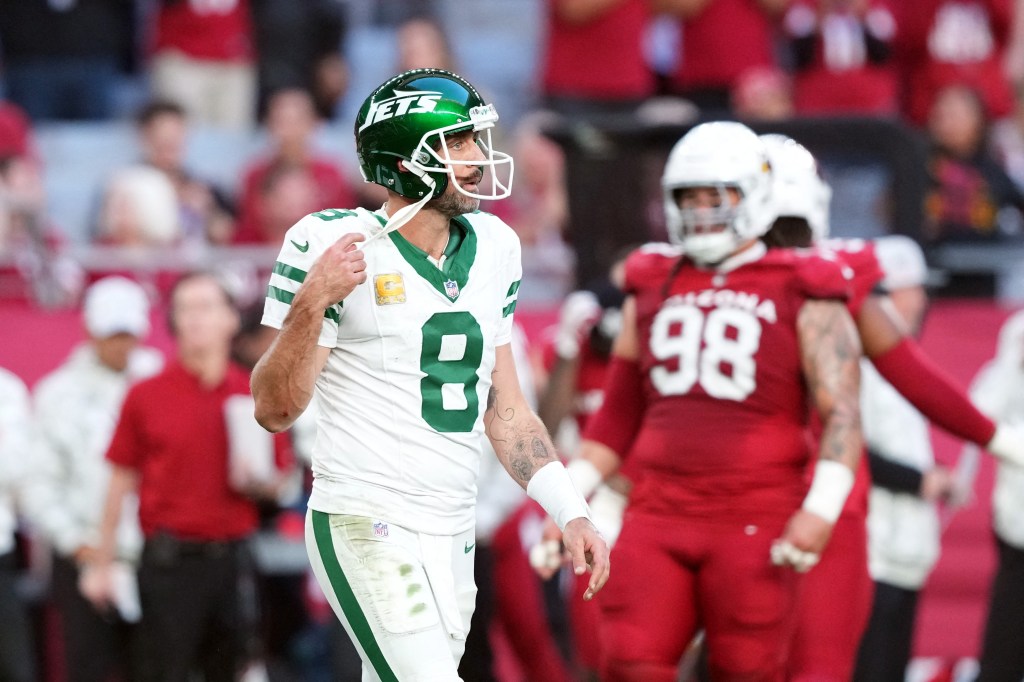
(347, 599)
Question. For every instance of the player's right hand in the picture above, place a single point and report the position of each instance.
(338, 270)
(588, 551)
(802, 542)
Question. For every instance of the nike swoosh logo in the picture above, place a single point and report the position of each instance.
(468, 548)
(303, 248)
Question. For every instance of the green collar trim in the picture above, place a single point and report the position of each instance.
(460, 253)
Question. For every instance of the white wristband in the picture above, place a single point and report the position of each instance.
(585, 476)
(829, 489)
(1008, 443)
(552, 488)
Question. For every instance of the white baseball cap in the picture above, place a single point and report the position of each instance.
(116, 305)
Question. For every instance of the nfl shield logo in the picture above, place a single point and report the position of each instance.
(380, 529)
(451, 287)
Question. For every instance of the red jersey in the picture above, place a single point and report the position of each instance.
(600, 59)
(842, 77)
(861, 266)
(725, 39)
(955, 41)
(218, 30)
(725, 431)
(172, 431)
(332, 190)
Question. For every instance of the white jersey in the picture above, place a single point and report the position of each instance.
(403, 392)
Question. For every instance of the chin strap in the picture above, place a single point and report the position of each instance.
(404, 214)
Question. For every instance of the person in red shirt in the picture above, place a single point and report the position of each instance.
(172, 445)
(843, 54)
(721, 40)
(720, 352)
(203, 57)
(593, 58)
(946, 42)
(291, 123)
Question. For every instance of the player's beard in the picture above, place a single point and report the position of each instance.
(454, 203)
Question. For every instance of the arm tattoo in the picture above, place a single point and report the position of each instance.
(520, 442)
(830, 353)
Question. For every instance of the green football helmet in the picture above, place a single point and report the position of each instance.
(407, 118)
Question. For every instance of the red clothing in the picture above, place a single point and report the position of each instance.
(173, 433)
(955, 41)
(862, 267)
(205, 29)
(601, 59)
(672, 577)
(725, 39)
(835, 603)
(725, 430)
(333, 191)
(851, 69)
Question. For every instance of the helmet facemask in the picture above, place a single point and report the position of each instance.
(707, 233)
(431, 156)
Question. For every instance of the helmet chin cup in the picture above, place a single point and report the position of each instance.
(711, 248)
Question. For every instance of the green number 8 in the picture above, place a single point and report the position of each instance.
(455, 364)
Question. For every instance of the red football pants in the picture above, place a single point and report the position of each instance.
(835, 603)
(674, 575)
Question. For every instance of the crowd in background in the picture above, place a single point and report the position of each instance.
(280, 78)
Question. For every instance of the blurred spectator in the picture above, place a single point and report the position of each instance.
(268, 206)
(204, 213)
(1008, 142)
(594, 62)
(577, 357)
(539, 212)
(971, 197)
(15, 131)
(140, 208)
(299, 44)
(32, 261)
(190, 454)
(906, 483)
(76, 408)
(721, 40)
(16, 653)
(63, 59)
(842, 54)
(946, 42)
(423, 44)
(203, 57)
(763, 94)
(998, 390)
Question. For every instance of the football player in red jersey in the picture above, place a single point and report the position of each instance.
(719, 354)
(825, 646)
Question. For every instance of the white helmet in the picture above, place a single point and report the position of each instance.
(719, 155)
(798, 190)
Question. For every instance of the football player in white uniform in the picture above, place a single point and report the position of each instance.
(400, 320)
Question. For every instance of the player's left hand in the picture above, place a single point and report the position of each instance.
(802, 542)
(588, 551)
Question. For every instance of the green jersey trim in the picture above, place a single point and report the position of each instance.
(347, 598)
(460, 253)
(287, 297)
